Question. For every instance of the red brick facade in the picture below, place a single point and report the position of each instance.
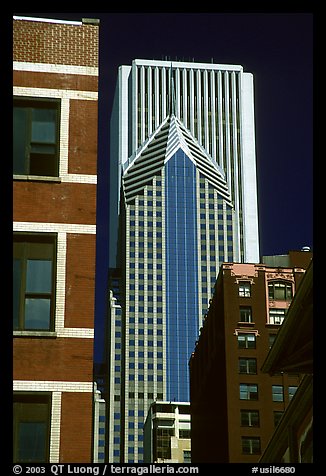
(55, 43)
(59, 202)
(60, 362)
(219, 435)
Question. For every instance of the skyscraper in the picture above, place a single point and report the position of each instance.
(184, 185)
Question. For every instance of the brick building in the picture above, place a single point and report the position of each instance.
(55, 87)
(292, 351)
(235, 407)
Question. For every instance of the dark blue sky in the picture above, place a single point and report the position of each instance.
(278, 49)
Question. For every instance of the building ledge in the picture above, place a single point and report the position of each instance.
(42, 334)
(37, 178)
(245, 325)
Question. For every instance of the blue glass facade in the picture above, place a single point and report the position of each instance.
(181, 272)
(179, 229)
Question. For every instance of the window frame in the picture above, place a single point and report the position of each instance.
(291, 393)
(246, 291)
(248, 391)
(251, 439)
(277, 415)
(245, 340)
(276, 316)
(248, 361)
(37, 103)
(273, 294)
(27, 238)
(21, 399)
(249, 413)
(242, 311)
(274, 393)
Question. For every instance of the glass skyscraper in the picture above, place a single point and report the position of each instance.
(184, 188)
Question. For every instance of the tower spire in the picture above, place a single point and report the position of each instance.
(171, 94)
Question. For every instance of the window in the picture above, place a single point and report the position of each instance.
(247, 366)
(162, 443)
(186, 456)
(277, 417)
(277, 393)
(248, 391)
(280, 291)
(31, 427)
(36, 136)
(246, 341)
(184, 434)
(244, 289)
(250, 445)
(249, 418)
(292, 391)
(276, 316)
(34, 281)
(271, 339)
(245, 314)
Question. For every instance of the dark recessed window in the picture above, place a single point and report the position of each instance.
(249, 418)
(277, 393)
(292, 391)
(250, 445)
(246, 341)
(247, 365)
(244, 289)
(245, 314)
(34, 263)
(31, 427)
(280, 290)
(36, 136)
(248, 391)
(277, 417)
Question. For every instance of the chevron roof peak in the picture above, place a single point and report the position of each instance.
(176, 139)
(170, 136)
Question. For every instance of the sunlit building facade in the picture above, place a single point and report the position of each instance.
(55, 118)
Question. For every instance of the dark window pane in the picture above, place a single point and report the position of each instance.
(35, 137)
(39, 276)
(20, 134)
(34, 268)
(32, 441)
(17, 269)
(37, 313)
(31, 427)
(44, 126)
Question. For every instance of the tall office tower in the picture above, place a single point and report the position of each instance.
(184, 157)
(216, 104)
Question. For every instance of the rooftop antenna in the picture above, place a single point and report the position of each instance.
(172, 94)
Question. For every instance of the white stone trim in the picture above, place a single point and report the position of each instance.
(55, 428)
(56, 93)
(40, 227)
(60, 300)
(55, 68)
(76, 332)
(52, 386)
(64, 136)
(64, 178)
(48, 20)
(79, 178)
